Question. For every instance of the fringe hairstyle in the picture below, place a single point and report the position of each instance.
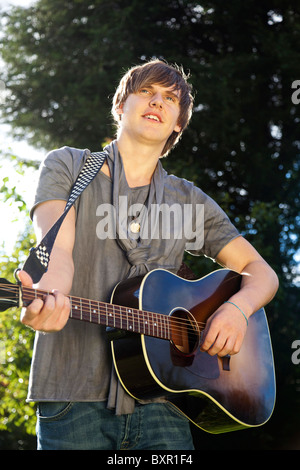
(162, 74)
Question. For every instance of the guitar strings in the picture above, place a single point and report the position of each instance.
(87, 309)
(85, 306)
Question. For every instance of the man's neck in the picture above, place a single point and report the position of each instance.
(139, 161)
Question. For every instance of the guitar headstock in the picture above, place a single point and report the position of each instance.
(9, 295)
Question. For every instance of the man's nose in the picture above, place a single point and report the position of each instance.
(157, 100)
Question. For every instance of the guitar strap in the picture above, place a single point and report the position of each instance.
(37, 262)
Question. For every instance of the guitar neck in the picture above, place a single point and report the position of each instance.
(111, 315)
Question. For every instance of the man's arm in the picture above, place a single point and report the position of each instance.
(226, 328)
(52, 313)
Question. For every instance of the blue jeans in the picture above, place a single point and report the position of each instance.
(91, 426)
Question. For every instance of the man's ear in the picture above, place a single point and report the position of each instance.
(119, 110)
(177, 128)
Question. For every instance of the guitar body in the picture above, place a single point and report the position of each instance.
(218, 395)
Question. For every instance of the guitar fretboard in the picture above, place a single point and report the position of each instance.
(111, 315)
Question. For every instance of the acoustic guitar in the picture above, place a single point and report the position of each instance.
(155, 322)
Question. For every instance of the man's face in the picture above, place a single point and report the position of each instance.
(151, 114)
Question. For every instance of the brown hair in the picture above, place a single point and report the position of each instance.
(159, 73)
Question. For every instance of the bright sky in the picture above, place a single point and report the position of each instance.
(11, 222)
(21, 3)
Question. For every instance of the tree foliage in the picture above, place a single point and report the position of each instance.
(16, 340)
(64, 59)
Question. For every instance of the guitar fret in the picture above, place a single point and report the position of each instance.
(109, 315)
(159, 329)
(168, 328)
(164, 326)
(127, 324)
(116, 324)
(114, 316)
(154, 326)
(130, 326)
(138, 324)
(120, 317)
(99, 314)
(146, 324)
(93, 315)
(149, 323)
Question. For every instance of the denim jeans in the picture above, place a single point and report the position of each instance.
(91, 426)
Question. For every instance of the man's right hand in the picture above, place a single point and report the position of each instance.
(48, 315)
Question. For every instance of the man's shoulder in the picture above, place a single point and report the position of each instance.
(67, 152)
(66, 159)
(184, 186)
(175, 180)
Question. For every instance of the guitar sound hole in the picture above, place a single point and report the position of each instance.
(185, 333)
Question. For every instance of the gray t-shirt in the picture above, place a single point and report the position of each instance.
(75, 364)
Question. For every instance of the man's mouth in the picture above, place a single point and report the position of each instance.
(152, 117)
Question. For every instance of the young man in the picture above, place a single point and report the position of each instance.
(81, 403)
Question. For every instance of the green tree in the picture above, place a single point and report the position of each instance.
(64, 59)
(16, 417)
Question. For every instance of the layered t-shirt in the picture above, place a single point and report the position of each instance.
(75, 364)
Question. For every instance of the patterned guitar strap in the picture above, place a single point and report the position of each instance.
(37, 262)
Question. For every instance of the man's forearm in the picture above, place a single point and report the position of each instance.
(258, 287)
(60, 272)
